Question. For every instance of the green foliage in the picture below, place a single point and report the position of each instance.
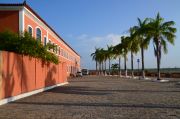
(161, 33)
(99, 55)
(114, 66)
(8, 41)
(26, 45)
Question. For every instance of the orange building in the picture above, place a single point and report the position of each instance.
(22, 76)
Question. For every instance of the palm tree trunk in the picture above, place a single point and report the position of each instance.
(119, 66)
(109, 66)
(125, 67)
(142, 58)
(132, 65)
(158, 60)
(99, 68)
(158, 68)
(102, 68)
(96, 67)
(105, 67)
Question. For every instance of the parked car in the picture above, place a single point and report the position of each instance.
(85, 72)
(79, 74)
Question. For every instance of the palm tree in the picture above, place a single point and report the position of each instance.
(125, 49)
(117, 51)
(105, 57)
(143, 40)
(109, 55)
(95, 57)
(161, 32)
(101, 59)
(133, 47)
(100, 56)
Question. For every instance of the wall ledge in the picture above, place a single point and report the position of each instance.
(10, 99)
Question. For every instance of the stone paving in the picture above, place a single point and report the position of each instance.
(100, 98)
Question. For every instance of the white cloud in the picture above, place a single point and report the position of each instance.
(114, 39)
(99, 41)
(82, 37)
(86, 45)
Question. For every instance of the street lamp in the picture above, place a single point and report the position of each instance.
(138, 61)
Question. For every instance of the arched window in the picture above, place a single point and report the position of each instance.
(30, 30)
(38, 34)
(45, 41)
(49, 43)
(53, 47)
(59, 50)
(56, 49)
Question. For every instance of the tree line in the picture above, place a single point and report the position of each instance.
(157, 30)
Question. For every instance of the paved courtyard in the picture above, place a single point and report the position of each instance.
(100, 98)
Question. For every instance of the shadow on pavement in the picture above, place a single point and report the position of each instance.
(77, 90)
(120, 105)
(88, 91)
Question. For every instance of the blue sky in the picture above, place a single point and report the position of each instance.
(86, 24)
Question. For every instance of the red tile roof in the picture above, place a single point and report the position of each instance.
(29, 8)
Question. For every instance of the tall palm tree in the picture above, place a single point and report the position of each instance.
(143, 40)
(117, 51)
(95, 57)
(133, 47)
(105, 57)
(125, 49)
(109, 55)
(101, 58)
(161, 32)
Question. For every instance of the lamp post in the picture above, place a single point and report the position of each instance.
(138, 61)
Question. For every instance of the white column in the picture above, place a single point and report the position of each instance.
(21, 20)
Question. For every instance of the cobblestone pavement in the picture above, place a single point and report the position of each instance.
(100, 98)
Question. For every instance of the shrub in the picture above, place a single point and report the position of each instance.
(26, 45)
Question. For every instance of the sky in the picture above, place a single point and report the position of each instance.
(86, 24)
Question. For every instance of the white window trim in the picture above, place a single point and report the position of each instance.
(36, 33)
(56, 49)
(49, 40)
(62, 52)
(59, 54)
(46, 39)
(31, 28)
(53, 51)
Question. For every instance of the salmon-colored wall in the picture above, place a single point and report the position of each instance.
(52, 72)
(11, 74)
(20, 74)
(28, 21)
(29, 74)
(40, 73)
(9, 20)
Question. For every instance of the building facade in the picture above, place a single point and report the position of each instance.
(20, 18)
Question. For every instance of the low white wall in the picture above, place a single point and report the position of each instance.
(10, 99)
